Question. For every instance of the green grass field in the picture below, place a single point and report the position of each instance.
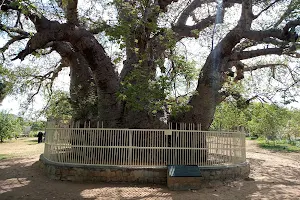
(3, 156)
(278, 145)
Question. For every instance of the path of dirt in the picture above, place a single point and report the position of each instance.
(275, 176)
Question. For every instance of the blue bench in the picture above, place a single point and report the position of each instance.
(184, 171)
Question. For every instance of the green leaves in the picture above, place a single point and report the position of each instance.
(5, 82)
(264, 120)
(8, 126)
(142, 93)
(229, 117)
(59, 106)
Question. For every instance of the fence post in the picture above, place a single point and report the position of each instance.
(130, 147)
(243, 146)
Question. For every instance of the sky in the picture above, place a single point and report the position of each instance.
(12, 104)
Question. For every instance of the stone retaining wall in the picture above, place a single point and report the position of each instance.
(78, 172)
(158, 175)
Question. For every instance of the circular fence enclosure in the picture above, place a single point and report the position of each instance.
(141, 155)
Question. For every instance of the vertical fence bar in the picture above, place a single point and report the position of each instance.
(120, 144)
(243, 147)
(99, 136)
(130, 148)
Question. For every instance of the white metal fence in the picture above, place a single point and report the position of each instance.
(143, 147)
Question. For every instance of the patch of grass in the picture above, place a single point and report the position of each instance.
(251, 138)
(4, 156)
(278, 145)
(22, 147)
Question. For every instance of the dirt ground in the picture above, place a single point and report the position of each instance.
(273, 176)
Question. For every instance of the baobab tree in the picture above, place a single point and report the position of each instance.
(148, 33)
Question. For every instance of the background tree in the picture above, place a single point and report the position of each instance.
(229, 117)
(292, 129)
(37, 126)
(59, 107)
(9, 126)
(148, 35)
(267, 120)
(259, 119)
(5, 85)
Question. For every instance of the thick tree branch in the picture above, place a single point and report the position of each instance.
(196, 4)
(164, 3)
(99, 27)
(255, 53)
(188, 10)
(187, 31)
(244, 44)
(11, 41)
(83, 42)
(289, 25)
(37, 19)
(287, 12)
(272, 41)
(281, 38)
(41, 39)
(70, 8)
(10, 30)
(260, 35)
(247, 15)
(256, 67)
(184, 30)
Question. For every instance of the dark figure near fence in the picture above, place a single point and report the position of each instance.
(40, 137)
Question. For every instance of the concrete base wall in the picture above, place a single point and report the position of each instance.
(81, 173)
(158, 175)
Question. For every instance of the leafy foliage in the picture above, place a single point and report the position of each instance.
(229, 117)
(9, 126)
(37, 125)
(5, 84)
(267, 120)
(171, 87)
(260, 119)
(292, 129)
(59, 106)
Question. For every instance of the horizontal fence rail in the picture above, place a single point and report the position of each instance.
(139, 147)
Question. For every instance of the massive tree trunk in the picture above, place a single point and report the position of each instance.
(95, 84)
(211, 77)
(210, 82)
(83, 92)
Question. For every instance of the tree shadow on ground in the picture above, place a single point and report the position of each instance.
(22, 179)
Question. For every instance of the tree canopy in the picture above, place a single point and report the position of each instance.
(259, 119)
(136, 63)
(10, 126)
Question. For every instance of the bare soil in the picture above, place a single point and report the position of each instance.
(273, 176)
